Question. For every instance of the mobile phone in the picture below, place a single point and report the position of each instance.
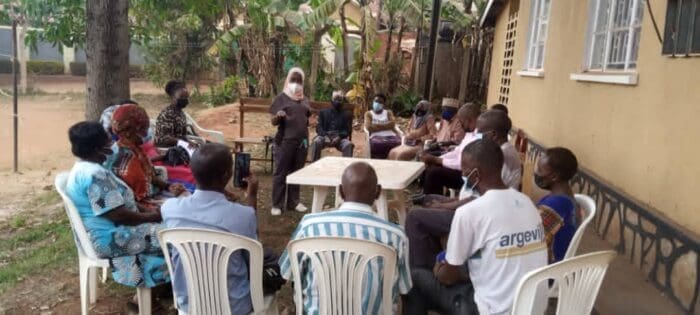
(241, 169)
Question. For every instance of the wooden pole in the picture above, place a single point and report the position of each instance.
(435, 19)
(15, 74)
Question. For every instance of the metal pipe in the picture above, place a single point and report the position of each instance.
(434, 20)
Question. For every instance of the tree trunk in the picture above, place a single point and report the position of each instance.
(107, 52)
(315, 60)
(346, 50)
(414, 60)
(389, 39)
(402, 26)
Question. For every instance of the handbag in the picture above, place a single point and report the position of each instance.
(177, 156)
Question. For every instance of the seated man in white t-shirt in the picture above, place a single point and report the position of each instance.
(429, 223)
(499, 236)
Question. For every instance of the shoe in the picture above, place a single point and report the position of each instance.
(301, 208)
(275, 212)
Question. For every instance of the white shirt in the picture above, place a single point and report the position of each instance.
(381, 118)
(511, 172)
(501, 237)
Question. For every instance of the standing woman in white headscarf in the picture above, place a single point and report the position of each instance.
(290, 112)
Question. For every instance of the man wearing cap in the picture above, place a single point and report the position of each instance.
(451, 131)
(333, 129)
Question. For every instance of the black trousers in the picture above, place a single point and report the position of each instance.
(438, 177)
(425, 228)
(428, 294)
(290, 156)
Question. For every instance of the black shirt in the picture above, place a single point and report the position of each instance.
(295, 126)
(332, 122)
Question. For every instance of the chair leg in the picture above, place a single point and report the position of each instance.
(92, 284)
(84, 288)
(144, 298)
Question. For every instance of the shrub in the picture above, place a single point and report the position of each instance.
(6, 66)
(224, 92)
(45, 67)
(78, 68)
(136, 71)
(404, 103)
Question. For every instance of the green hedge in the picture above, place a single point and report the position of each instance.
(45, 67)
(35, 67)
(6, 66)
(80, 69)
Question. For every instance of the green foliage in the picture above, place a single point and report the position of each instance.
(223, 93)
(45, 67)
(405, 102)
(78, 68)
(6, 66)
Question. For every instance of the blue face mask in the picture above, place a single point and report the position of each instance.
(448, 114)
(376, 106)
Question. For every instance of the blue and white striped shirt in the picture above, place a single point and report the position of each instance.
(353, 220)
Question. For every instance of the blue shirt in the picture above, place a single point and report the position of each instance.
(96, 191)
(211, 210)
(353, 220)
(566, 208)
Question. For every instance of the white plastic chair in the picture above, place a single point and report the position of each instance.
(588, 206)
(212, 135)
(87, 258)
(339, 266)
(204, 255)
(580, 278)
(589, 210)
(397, 130)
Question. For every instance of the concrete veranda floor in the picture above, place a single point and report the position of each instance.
(625, 289)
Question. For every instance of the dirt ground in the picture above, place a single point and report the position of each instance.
(44, 151)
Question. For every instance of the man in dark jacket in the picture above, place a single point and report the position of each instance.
(333, 129)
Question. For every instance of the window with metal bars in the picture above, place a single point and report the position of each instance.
(539, 20)
(613, 39)
(682, 31)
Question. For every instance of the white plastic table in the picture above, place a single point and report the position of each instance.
(327, 172)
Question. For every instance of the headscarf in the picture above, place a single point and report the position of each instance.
(300, 94)
(418, 121)
(137, 172)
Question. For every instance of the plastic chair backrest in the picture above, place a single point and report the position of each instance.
(588, 207)
(579, 281)
(339, 266)
(82, 240)
(204, 255)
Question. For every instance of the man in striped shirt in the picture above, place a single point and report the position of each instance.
(354, 219)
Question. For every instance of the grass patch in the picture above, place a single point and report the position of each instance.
(44, 198)
(38, 249)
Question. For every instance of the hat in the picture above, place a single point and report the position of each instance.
(450, 102)
(337, 94)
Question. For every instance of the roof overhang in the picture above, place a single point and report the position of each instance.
(493, 8)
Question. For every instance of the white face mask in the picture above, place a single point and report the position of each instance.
(294, 88)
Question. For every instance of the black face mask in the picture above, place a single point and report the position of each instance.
(540, 182)
(337, 104)
(421, 112)
(182, 102)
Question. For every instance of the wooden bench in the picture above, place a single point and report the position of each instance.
(262, 105)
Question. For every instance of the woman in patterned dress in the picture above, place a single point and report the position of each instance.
(117, 230)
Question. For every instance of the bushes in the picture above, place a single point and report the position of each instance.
(80, 69)
(44, 67)
(224, 92)
(6, 66)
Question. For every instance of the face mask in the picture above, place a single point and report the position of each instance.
(337, 104)
(377, 107)
(294, 88)
(421, 112)
(182, 102)
(541, 182)
(448, 114)
(468, 189)
(149, 136)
